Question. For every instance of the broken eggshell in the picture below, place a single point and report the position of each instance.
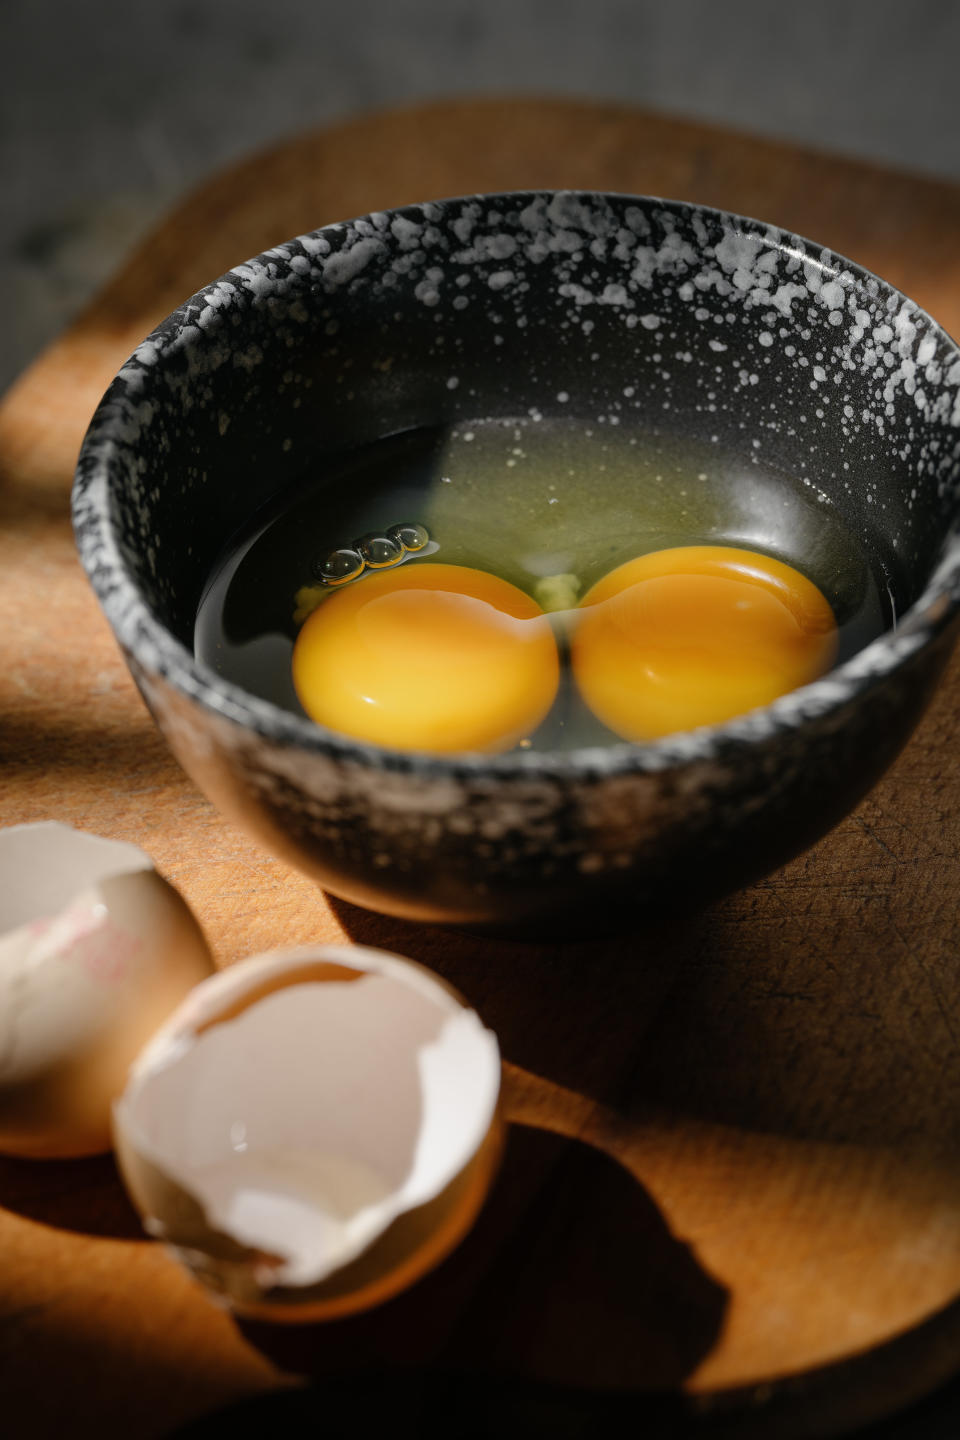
(96, 949)
(312, 1129)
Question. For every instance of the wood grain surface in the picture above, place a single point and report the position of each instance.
(733, 1182)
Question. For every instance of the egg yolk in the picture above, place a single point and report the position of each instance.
(696, 635)
(428, 657)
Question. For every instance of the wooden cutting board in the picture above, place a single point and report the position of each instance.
(734, 1176)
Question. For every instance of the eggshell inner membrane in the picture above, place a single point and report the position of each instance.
(96, 950)
(307, 1122)
(46, 864)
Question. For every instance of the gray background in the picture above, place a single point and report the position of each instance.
(110, 109)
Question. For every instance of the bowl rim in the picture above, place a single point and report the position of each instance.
(158, 652)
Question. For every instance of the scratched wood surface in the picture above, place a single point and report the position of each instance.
(733, 1182)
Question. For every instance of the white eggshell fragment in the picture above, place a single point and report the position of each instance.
(96, 949)
(312, 1129)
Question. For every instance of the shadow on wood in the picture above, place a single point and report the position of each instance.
(84, 1196)
(570, 1276)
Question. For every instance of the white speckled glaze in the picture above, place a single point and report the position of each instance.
(612, 307)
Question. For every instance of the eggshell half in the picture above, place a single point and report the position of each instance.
(96, 949)
(312, 1129)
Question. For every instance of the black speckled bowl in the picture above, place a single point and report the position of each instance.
(740, 331)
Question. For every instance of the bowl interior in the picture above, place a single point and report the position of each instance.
(616, 311)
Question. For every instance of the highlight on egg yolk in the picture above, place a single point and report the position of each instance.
(428, 657)
(696, 635)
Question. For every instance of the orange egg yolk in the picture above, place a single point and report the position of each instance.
(428, 657)
(696, 635)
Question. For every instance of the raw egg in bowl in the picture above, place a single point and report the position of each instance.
(533, 560)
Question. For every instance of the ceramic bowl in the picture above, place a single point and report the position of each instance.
(620, 309)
